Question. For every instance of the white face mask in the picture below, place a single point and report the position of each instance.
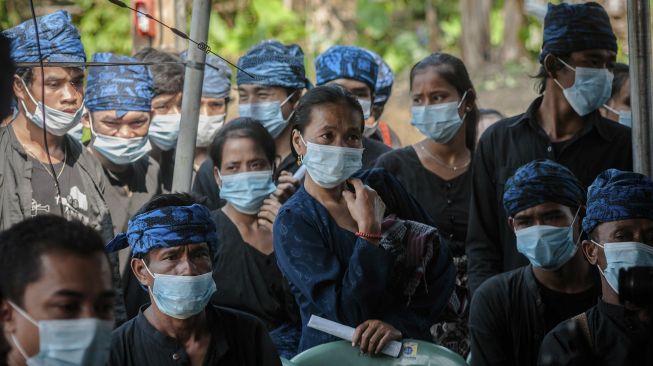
(68, 342)
(367, 108)
(164, 130)
(370, 130)
(120, 150)
(207, 128)
(57, 122)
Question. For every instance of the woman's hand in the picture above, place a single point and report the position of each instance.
(365, 207)
(286, 186)
(373, 335)
(268, 212)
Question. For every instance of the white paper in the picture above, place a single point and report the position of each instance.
(347, 333)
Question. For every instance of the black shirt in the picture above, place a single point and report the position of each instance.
(167, 165)
(560, 305)
(446, 202)
(237, 339)
(249, 280)
(373, 149)
(506, 146)
(507, 320)
(617, 338)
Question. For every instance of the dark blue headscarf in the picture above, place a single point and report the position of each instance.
(617, 195)
(273, 64)
(217, 77)
(167, 227)
(346, 62)
(384, 81)
(120, 88)
(60, 40)
(541, 181)
(576, 27)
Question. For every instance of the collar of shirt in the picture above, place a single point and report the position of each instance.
(622, 317)
(593, 120)
(218, 345)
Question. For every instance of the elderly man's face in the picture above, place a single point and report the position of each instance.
(182, 260)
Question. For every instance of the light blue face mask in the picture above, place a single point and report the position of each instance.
(329, 165)
(591, 89)
(69, 342)
(181, 296)
(268, 114)
(164, 130)
(77, 132)
(439, 122)
(623, 255)
(547, 247)
(366, 105)
(625, 117)
(247, 191)
(120, 150)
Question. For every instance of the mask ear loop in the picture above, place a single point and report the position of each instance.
(24, 314)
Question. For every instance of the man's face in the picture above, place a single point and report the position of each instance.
(596, 59)
(252, 94)
(164, 104)
(132, 124)
(358, 89)
(633, 230)
(64, 88)
(620, 101)
(70, 287)
(548, 213)
(182, 260)
(213, 106)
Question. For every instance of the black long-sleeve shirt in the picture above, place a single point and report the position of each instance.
(506, 146)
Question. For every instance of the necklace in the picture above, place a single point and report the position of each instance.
(442, 163)
(63, 162)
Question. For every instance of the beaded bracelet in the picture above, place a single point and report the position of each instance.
(363, 235)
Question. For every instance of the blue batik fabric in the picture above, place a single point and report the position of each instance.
(272, 63)
(346, 62)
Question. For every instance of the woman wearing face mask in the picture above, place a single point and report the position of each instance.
(436, 170)
(336, 241)
(245, 267)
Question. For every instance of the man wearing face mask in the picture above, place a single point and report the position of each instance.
(213, 106)
(356, 70)
(563, 125)
(172, 240)
(511, 312)
(618, 106)
(168, 75)
(619, 223)
(62, 179)
(56, 298)
(268, 94)
(379, 130)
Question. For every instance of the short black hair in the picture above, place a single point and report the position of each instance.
(243, 127)
(168, 78)
(621, 74)
(23, 245)
(453, 70)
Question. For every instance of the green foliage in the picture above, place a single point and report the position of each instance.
(104, 27)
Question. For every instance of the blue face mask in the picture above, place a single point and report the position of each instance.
(439, 122)
(77, 132)
(268, 114)
(329, 165)
(120, 150)
(546, 247)
(69, 342)
(164, 130)
(591, 89)
(182, 296)
(625, 117)
(247, 191)
(623, 255)
(366, 105)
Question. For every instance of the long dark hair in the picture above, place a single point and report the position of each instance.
(243, 127)
(453, 70)
(324, 94)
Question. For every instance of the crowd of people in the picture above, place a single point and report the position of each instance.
(499, 238)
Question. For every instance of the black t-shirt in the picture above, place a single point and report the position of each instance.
(249, 280)
(237, 339)
(560, 306)
(44, 193)
(373, 150)
(446, 201)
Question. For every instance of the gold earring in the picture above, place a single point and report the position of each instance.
(300, 159)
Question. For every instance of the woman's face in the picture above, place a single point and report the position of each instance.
(241, 155)
(331, 124)
(430, 88)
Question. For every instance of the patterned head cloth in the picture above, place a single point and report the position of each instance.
(541, 181)
(616, 195)
(346, 62)
(121, 88)
(384, 81)
(167, 227)
(576, 27)
(273, 64)
(60, 40)
(217, 77)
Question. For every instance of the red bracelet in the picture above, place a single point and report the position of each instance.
(363, 235)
